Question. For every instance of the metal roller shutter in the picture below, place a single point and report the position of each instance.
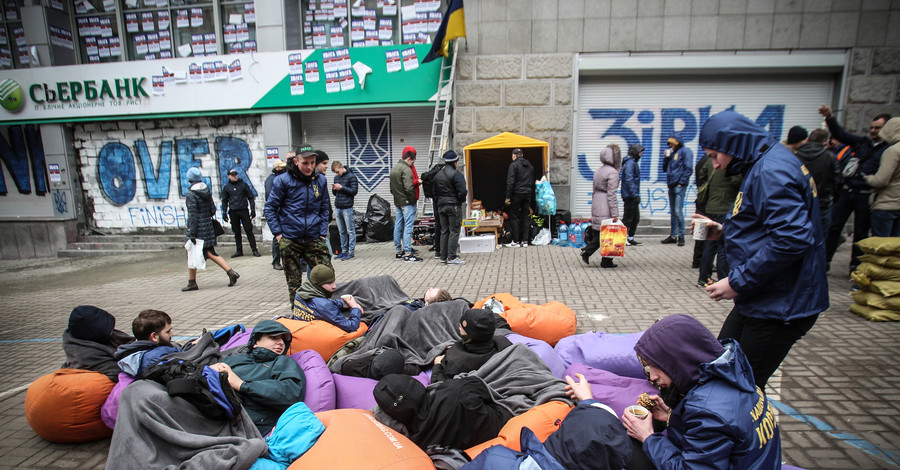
(619, 110)
(370, 141)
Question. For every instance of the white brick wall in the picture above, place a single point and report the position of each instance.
(143, 214)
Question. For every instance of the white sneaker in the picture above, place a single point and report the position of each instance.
(456, 261)
(511, 245)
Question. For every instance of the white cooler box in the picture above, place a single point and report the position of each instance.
(477, 244)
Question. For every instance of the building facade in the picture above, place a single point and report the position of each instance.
(119, 98)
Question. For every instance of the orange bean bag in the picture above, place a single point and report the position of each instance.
(550, 322)
(355, 439)
(65, 406)
(319, 335)
(505, 298)
(542, 419)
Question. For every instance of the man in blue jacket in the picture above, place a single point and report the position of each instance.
(677, 166)
(631, 191)
(297, 210)
(773, 243)
(345, 186)
(313, 302)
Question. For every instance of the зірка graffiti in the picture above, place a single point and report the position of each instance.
(117, 172)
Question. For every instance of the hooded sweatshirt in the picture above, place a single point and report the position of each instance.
(631, 172)
(200, 210)
(312, 302)
(824, 168)
(272, 382)
(886, 180)
(474, 349)
(604, 203)
(457, 413)
(91, 340)
(723, 420)
(773, 239)
(678, 165)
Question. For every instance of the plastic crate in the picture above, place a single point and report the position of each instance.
(477, 244)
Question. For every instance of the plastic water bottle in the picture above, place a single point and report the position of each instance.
(563, 234)
(572, 233)
(584, 226)
(579, 234)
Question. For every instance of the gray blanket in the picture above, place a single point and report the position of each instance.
(420, 335)
(155, 430)
(374, 294)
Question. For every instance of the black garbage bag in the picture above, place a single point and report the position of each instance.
(379, 225)
(359, 224)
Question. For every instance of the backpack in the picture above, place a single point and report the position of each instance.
(201, 386)
(428, 180)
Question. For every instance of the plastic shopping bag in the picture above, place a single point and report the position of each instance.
(542, 238)
(195, 255)
(545, 197)
(612, 238)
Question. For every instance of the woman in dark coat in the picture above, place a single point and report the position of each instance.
(200, 212)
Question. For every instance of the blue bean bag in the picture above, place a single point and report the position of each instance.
(607, 351)
(612, 390)
(543, 349)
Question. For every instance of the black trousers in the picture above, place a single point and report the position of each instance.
(850, 202)
(520, 223)
(437, 226)
(240, 217)
(632, 214)
(765, 342)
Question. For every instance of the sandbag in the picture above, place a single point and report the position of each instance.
(607, 351)
(875, 300)
(379, 224)
(549, 322)
(355, 439)
(885, 246)
(543, 420)
(885, 288)
(320, 395)
(356, 392)
(615, 391)
(886, 261)
(110, 407)
(874, 314)
(318, 335)
(878, 273)
(547, 353)
(65, 406)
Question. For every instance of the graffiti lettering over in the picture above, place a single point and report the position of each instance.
(117, 172)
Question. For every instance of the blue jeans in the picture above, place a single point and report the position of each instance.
(403, 228)
(885, 223)
(676, 203)
(347, 228)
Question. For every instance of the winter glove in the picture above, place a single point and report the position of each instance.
(507, 201)
(225, 217)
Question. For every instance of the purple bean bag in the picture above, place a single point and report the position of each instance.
(543, 349)
(111, 406)
(785, 466)
(239, 339)
(320, 392)
(615, 391)
(607, 351)
(356, 392)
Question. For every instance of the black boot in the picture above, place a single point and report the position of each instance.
(192, 285)
(680, 241)
(237, 254)
(276, 265)
(232, 277)
(607, 263)
(585, 257)
(256, 253)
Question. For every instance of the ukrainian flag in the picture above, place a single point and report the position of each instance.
(452, 26)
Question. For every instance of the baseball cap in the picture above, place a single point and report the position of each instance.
(306, 150)
(232, 171)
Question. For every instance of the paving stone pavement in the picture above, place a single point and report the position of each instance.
(837, 390)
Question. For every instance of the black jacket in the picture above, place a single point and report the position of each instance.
(200, 210)
(824, 168)
(449, 187)
(343, 198)
(237, 195)
(520, 178)
(428, 179)
(867, 151)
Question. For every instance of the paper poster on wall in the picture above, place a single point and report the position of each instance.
(423, 38)
(5, 57)
(272, 154)
(243, 32)
(140, 44)
(182, 19)
(357, 30)
(11, 11)
(297, 84)
(337, 36)
(209, 71)
(309, 17)
(159, 86)
(147, 23)
(230, 33)
(249, 13)
(312, 71)
(370, 21)
(196, 17)
(57, 4)
(153, 43)
(340, 8)
(329, 61)
(131, 23)
(19, 34)
(3, 40)
(162, 19)
(295, 63)
(434, 21)
(410, 61)
(371, 38)
(318, 34)
(165, 54)
(235, 72)
(103, 47)
(54, 173)
(95, 26)
(409, 38)
(197, 44)
(195, 73)
(236, 47)
(250, 46)
(389, 10)
(209, 41)
(346, 78)
(108, 5)
(106, 27)
(165, 41)
(115, 47)
(392, 61)
(332, 82)
(168, 76)
(385, 28)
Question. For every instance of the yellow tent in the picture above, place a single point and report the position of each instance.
(488, 161)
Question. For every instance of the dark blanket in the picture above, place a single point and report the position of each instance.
(91, 355)
(155, 430)
(420, 336)
(374, 294)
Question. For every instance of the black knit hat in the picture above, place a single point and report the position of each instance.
(796, 134)
(321, 156)
(90, 323)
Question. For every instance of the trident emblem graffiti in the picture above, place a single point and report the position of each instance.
(369, 148)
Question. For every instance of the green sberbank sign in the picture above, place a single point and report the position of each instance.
(229, 84)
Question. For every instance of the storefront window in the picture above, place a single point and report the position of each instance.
(160, 29)
(239, 26)
(13, 50)
(363, 23)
